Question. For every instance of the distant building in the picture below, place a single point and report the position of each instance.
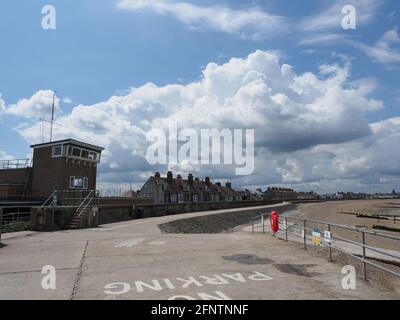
(129, 194)
(59, 165)
(280, 194)
(190, 190)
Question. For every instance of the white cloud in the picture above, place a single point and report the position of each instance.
(382, 51)
(2, 105)
(67, 100)
(322, 39)
(307, 126)
(39, 105)
(248, 23)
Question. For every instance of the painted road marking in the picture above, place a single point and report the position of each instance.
(124, 226)
(130, 243)
(158, 285)
(157, 243)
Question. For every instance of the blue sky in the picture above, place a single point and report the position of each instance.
(104, 48)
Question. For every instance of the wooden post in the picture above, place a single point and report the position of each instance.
(305, 235)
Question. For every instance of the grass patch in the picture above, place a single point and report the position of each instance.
(15, 227)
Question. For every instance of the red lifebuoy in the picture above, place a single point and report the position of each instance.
(274, 220)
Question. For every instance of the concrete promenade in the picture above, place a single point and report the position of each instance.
(134, 260)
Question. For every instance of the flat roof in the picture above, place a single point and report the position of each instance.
(68, 141)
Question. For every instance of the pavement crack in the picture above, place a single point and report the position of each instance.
(79, 273)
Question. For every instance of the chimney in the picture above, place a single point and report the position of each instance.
(179, 176)
(207, 180)
(228, 185)
(170, 176)
(157, 175)
(190, 178)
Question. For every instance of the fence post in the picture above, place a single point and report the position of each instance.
(364, 257)
(305, 235)
(286, 229)
(330, 244)
(262, 221)
(1, 222)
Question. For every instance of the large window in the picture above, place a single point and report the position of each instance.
(75, 152)
(78, 183)
(57, 151)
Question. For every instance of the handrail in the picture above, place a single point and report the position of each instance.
(331, 246)
(83, 203)
(48, 199)
(14, 163)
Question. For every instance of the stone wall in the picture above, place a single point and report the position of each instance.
(57, 218)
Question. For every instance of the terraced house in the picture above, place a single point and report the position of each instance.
(190, 190)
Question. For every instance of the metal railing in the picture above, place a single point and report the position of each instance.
(304, 227)
(69, 198)
(14, 164)
(85, 203)
(14, 214)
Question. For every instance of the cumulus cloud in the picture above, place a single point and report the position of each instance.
(39, 105)
(250, 23)
(309, 127)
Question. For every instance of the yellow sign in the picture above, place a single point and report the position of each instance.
(316, 237)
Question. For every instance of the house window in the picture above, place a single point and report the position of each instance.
(79, 183)
(173, 198)
(195, 198)
(57, 151)
(180, 198)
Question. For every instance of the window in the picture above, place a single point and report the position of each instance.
(65, 150)
(57, 151)
(85, 154)
(195, 198)
(78, 183)
(180, 198)
(76, 152)
(173, 198)
(93, 156)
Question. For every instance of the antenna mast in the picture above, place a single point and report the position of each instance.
(52, 116)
